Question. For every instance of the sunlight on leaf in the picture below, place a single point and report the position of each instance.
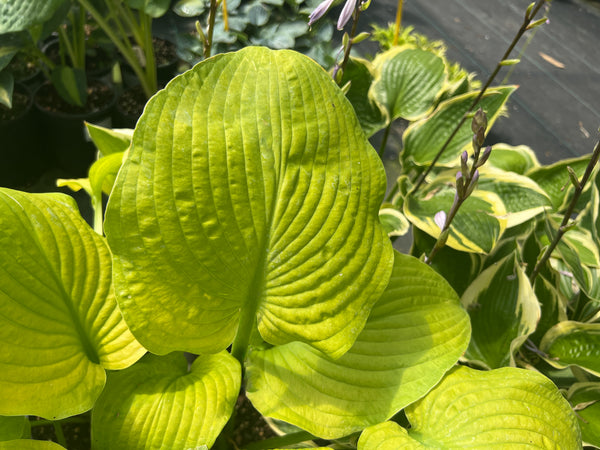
(573, 343)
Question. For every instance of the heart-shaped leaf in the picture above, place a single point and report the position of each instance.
(250, 195)
(519, 159)
(573, 343)
(502, 408)
(585, 399)
(59, 323)
(425, 138)
(408, 81)
(159, 403)
(476, 227)
(503, 310)
(415, 333)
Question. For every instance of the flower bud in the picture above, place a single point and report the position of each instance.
(479, 121)
(440, 219)
(464, 157)
(473, 183)
(484, 157)
(460, 184)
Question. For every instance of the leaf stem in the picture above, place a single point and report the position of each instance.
(562, 229)
(60, 435)
(281, 441)
(212, 13)
(529, 15)
(384, 140)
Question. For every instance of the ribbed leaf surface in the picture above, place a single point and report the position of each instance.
(17, 15)
(573, 343)
(415, 333)
(158, 403)
(250, 193)
(503, 408)
(59, 325)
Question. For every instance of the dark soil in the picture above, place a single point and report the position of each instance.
(20, 104)
(99, 96)
(23, 67)
(165, 52)
(132, 101)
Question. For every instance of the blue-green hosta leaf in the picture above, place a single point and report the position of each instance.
(60, 327)
(109, 141)
(158, 403)
(250, 194)
(15, 427)
(573, 343)
(585, 399)
(522, 198)
(394, 222)
(17, 15)
(503, 310)
(408, 81)
(415, 333)
(554, 179)
(425, 138)
(518, 159)
(29, 444)
(502, 408)
(476, 227)
(371, 115)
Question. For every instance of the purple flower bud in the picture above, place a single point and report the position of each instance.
(319, 11)
(464, 157)
(440, 219)
(460, 184)
(473, 183)
(485, 156)
(346, 13)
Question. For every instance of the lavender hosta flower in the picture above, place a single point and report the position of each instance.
(440, 219)
(324, 6)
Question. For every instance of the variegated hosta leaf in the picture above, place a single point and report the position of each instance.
(522, 198)
(553, 306)
(17, 15)
(371, 115)
(408, 81)
(250, 194)
(573, 343)
(394, 222)
(159, 403)
(415, 333)
(476, 227)
(59, 323)
(425, 138)
(503, 310)
(502, 408)
(585, 399)
(554, 179)
(518, 159)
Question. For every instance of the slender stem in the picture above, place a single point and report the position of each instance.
(384, 140)
(562, 229)
(60, 435)
(398, 22)
(281, 441)
(151, 74)
(355, 17)
(212, 14)
(524, 27)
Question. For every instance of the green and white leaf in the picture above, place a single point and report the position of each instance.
(394, 222)
(502, 408)
(408, 81)
(424, 139)
(60, 326)
(415, 333)
(518, 159)
(573, 343)
(159, 403)
(476, 227)
(585, 399)
(250, 195)
(554, 179)
(371, 116)
(503, 310)
(522, 198)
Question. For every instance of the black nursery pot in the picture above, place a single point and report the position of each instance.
(63, 127)
(22, 157)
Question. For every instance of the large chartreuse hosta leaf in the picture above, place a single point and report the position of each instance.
(159, 403)
(502, 408)
(415, 333)
(250, 195)
(60, 327)
(503, 310)
(28, 444)
(424, 139)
